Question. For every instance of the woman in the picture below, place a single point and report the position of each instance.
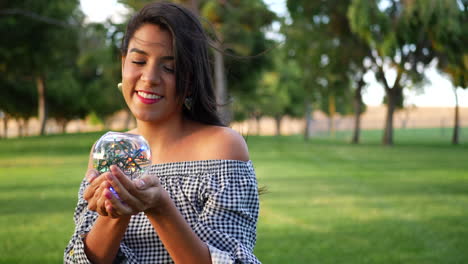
(199, 201)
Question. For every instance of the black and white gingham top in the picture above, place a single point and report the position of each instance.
(218, 198)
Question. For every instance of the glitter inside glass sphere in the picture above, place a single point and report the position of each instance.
(130, 152)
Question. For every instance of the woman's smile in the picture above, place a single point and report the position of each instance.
(148, 97)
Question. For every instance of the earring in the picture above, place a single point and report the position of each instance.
(188, 102)
(119, 86)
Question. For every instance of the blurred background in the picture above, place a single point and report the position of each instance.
(320, 89)
(287, 67)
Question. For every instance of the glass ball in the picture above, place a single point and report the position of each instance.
(130, 152)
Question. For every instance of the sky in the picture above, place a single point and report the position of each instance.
(437, 92)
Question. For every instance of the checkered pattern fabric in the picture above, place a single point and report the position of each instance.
(218, 198)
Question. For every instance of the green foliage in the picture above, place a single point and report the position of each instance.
(449, 37)
(398, 32)
(99, 68)
(48, 42)
(399, 35)
(278, 92)
(239, 26)
(79, 63)
(39, 41)
(330, 55)
(65, 99)
(94, 119)
(290, 82)
(18, 98)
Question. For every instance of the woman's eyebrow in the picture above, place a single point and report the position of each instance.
(163, 58)
(138, 51)
(146, 53)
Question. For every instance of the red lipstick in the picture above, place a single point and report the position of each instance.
(145, 97)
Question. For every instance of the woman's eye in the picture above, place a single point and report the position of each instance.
(168, 69)
(139, 62)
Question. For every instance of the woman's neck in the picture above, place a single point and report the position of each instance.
(162, 135)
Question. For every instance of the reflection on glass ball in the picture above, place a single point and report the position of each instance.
(130, 152)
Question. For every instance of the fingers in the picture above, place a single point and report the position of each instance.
(114, 207)
(112, 213)
(91, 174)
(146, 182)
(140, 184)
(96, 202)
(108, 204)
(93, 186)
(123, 193)
(121, 177)
(101, 199)
(127, 197)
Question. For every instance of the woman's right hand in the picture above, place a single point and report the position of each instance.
(94, 193)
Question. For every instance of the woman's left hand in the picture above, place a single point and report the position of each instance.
(133, 196)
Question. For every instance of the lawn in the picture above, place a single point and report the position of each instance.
(327, 201)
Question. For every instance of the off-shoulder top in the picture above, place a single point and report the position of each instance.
(218, 199)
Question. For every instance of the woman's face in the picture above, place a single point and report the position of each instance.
(148, 76)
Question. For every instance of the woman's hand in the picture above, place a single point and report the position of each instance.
(133, 197)
(94, 193)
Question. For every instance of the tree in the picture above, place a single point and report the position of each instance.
(449, 36)
(288, 85)
(99, 68)
(66, 101)
(306, 55)
(330, 54)
(18, 101)
(237, 27)
(396, 32)
(51, 28)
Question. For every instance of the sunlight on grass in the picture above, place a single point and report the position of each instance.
(327, 201)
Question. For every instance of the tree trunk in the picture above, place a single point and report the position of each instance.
(5, 126)
(42, 110)
(20, 123)
(278, 119)
(357, 112)
(308, 119)
(26, 127)
(331, 115)
(456, 126)
(257, 121)
(108, 123)
(220, 85)
(63, 124)
(388, 130)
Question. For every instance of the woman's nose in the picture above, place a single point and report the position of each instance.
(151, 75)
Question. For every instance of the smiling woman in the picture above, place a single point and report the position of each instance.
(198, 202)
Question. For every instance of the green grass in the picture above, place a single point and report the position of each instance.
(327, 201)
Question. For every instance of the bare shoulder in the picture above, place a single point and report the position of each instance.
(223, 143)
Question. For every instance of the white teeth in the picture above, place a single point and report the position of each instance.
(148, 95)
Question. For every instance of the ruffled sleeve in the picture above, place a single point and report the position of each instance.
(229, 216)
(84, 220)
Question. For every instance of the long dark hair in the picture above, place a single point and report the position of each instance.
(192, 63)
